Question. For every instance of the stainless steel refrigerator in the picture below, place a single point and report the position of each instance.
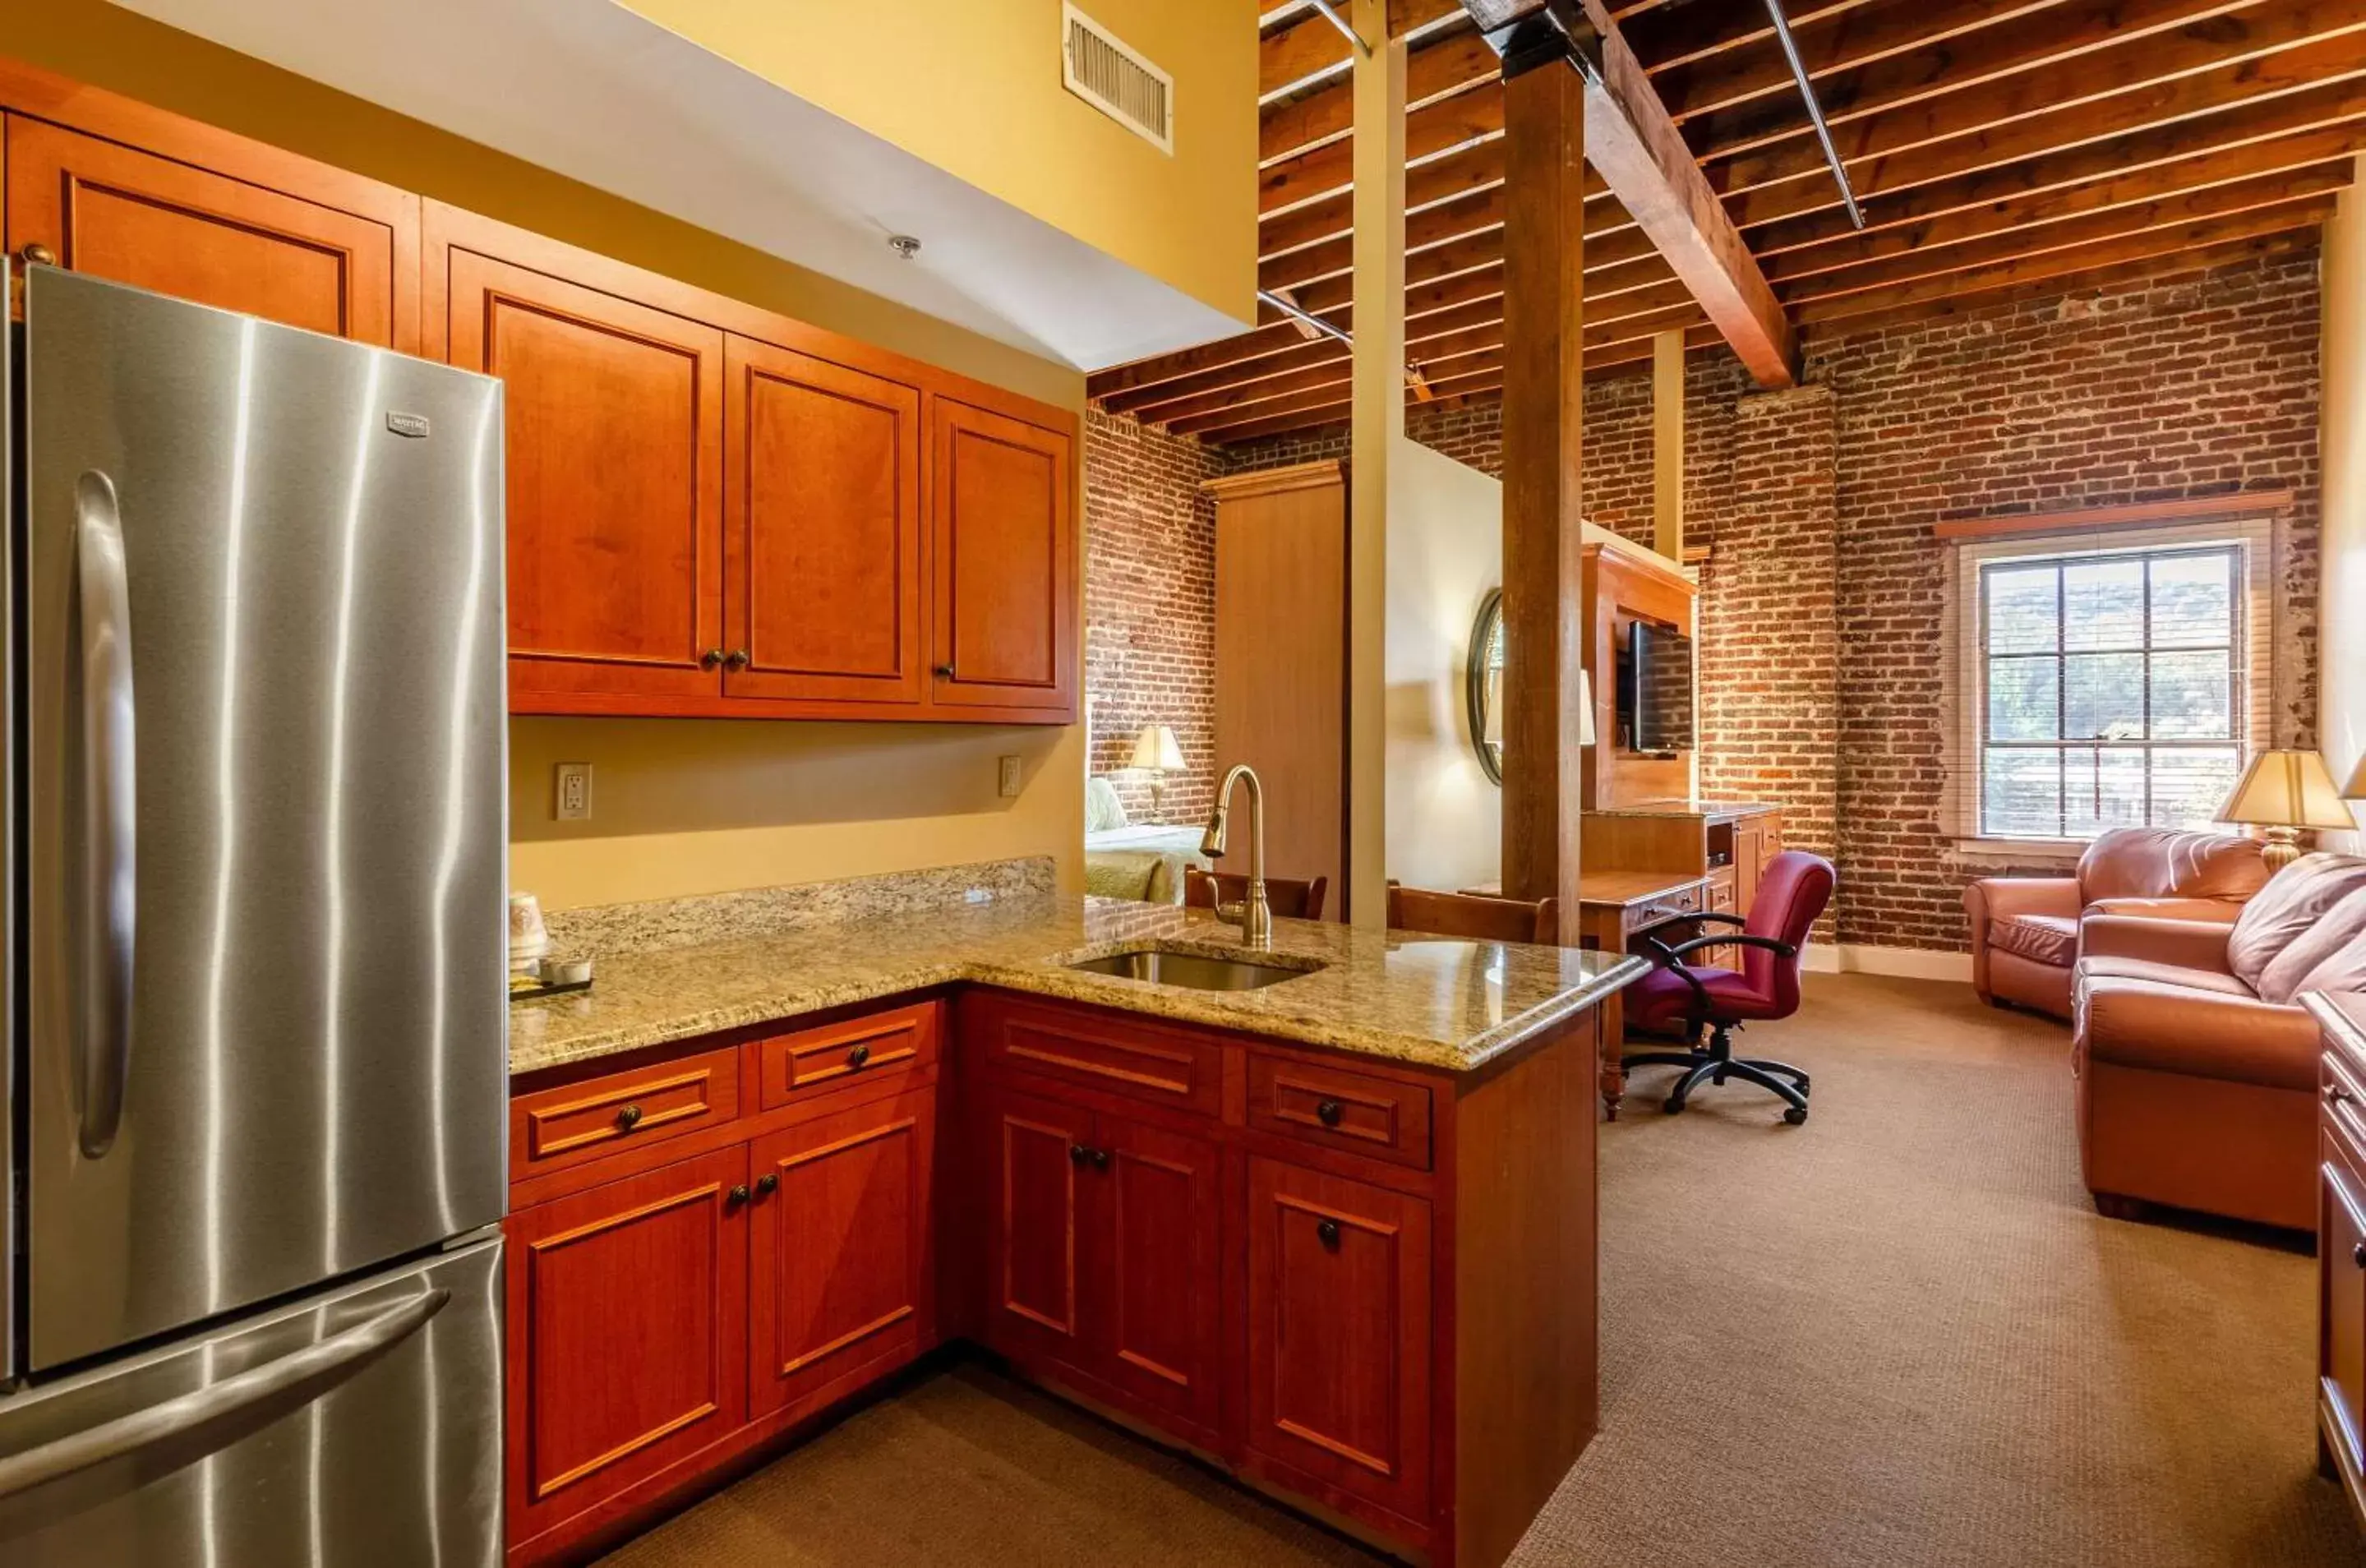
(257, 1081)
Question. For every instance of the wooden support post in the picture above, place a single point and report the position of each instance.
(1377, 425)
(1544, 238)
(1668, 445)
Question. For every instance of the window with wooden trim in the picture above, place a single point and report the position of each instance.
(2112, 687)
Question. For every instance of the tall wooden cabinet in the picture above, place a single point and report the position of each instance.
(99, 184)
(1281, 661)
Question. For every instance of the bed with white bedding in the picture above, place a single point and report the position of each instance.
(1130, 860)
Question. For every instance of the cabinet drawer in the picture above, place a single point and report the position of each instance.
(798, 1066)
(1337, 1109)
(1163, 1067)
(2343, 1104)
(556, 1128)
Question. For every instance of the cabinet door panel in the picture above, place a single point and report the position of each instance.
(1004, 540)
(2341, 1307)
(822, 531)
(627, 1327)
(1034, 1307)
(615, 461)
(1339, 1332)
(1152, 1262)
(131, 216)
(839, 1249)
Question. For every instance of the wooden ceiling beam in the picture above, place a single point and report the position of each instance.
(1641, 156)
(2064, 32)
(1310, 46)
(2056, 264)
(2182, 210)
(2160, 266)
(1165, 401)
(2104, 94)
(1430, 130)
(1451, 62)
(1682, 34)
(2289, 159)
(2320, 69)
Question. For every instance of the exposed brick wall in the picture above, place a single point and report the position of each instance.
(1769, 620)
(2189, 385)
(1150, 607)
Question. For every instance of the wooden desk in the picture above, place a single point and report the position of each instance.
(1612, 907)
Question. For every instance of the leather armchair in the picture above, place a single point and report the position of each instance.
(2197, 1066)
(2025, 930)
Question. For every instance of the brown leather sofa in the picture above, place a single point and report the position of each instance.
(2025, 929)
(2197, 1066)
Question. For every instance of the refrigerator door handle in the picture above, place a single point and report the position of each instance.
(232, 1407)
(109, 810)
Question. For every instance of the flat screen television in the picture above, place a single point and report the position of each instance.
(1655, 689)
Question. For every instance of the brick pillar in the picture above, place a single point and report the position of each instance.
(1769, 620)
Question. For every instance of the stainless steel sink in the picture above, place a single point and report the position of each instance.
(1197, 971)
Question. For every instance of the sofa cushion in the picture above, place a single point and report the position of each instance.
(2296, 898)
(2337, 929)
(2176, 1029)
(2041, 939)
(2097, 967)
(2164, 863)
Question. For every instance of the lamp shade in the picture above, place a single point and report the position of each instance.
(2288, 789)
(1155, 750)
(2356, 788)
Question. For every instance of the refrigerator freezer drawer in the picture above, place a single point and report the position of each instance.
(359, 1428)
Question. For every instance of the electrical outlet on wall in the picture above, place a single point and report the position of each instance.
(1007, 778)
(573, 792)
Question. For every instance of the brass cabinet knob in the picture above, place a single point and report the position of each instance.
(1329, 1113)
(2358, 1255)
(1328, 1232)
(944, 672)
(37, 254)
(736, 1196)
(856, 1057)
(768, 1184)
(2335, 1094)
(736, 659)
(1078, 1154)
(628, 1118)
(710, 659)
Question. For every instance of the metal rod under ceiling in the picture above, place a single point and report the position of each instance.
(1340, 22)
(1815, 110)
(1305, 318)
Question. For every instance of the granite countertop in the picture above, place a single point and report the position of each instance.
(1424, 1001)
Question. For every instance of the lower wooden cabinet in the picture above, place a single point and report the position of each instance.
(1339, 1277)
(841, 1268)
(1150, 1251)
(628, 1333)
(2342, 1244)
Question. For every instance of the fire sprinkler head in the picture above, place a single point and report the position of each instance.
(903, 245)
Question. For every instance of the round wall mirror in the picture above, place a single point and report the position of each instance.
(1485, 684)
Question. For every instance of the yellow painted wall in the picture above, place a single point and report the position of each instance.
(680, 805)
(2341, 445)
(973, 86)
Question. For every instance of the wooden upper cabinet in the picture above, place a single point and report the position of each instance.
(1004, 538)
(216, 236)
(615, 453)
(822, 531)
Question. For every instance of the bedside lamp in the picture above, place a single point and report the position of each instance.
(1156, 752)
(2284, 791)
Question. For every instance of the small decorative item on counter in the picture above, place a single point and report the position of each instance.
(550, 977)
(529, 938)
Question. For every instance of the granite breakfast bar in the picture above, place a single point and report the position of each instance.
(1335, 1235)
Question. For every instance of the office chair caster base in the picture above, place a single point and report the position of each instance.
(1797, 1115)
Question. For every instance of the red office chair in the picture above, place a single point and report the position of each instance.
(1792, 893)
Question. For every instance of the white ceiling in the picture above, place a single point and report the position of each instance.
(597, 92)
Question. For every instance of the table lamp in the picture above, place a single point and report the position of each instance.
(2283, 792)
(1156, 752)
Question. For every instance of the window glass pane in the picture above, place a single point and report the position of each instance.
(2191, 783)
(2103, 604)
(2022, 796)
(2192, 696)
(2104, 696)
(2104, 787)
(2193, 601)
(2021, 609)
(2021, 698)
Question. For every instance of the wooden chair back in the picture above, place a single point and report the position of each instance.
(1469, 915)
(1286, 897)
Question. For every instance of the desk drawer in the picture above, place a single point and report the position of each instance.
(1340, 1109)
(553, 1129)
(1096, 1050)
(899, 1043)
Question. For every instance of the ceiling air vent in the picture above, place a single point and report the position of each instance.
(1117, 81)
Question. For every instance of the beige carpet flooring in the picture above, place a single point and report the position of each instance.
(1897, 1335)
